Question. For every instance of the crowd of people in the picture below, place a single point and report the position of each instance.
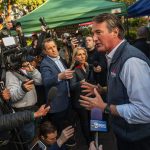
(101, 70)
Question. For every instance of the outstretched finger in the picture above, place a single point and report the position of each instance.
(85, 98)
(96, 93)
(89, 94)
(85, 104)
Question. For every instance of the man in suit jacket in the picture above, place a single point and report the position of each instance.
(54, 73)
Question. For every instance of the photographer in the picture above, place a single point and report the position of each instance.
(23, 95)
(45, 33)
(9, 121)
(14, 26)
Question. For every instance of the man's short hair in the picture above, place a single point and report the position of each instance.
(142, 32)
(46, 41)
(112, 22)
(89, 35)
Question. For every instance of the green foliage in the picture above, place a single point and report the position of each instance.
(137, 22)
(134, 24)
(31, 4)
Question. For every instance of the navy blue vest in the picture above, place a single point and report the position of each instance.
(117, 93)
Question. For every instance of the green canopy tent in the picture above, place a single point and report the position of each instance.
(66, 12)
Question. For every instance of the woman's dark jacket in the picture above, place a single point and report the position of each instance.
(76, 90)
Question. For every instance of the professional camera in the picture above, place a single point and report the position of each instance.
(43, 23)
(12, 55)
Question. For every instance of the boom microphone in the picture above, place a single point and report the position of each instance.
(73, 66)
(51, 95)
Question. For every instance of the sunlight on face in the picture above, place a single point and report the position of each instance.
(81, 56)
(51, 49)
(89, 42)
(103, 38)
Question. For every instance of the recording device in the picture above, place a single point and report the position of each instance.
(13, 56)
(38, 146)
(79, 37)
(98, 123)
(9, 41)
(51, 95)
(73, 66)
(95, 64)
(43, 23)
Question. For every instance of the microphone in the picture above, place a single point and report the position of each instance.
(95, 64)
(96, 118)
(74, 65)
(51, 95)
(97, 123)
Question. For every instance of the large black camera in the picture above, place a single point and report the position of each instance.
(15, 57)
(43, 23)
(12, 55)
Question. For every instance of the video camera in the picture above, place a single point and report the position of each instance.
(12, 55)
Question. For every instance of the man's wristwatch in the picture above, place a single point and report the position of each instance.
(107, 109)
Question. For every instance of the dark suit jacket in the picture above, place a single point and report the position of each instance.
(49, 72)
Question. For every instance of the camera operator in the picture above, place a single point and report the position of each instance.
(46, 32)
(14, 26)
(9, 121)
(23, 95)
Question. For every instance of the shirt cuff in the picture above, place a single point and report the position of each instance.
(59, 80)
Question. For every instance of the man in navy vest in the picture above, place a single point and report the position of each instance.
(128, 84)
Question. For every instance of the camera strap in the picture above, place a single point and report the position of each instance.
(21, 76)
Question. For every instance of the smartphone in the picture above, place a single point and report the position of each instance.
(39, 146)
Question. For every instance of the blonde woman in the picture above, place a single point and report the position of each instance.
(80, 75)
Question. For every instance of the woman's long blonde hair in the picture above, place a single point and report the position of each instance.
(75, 51)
